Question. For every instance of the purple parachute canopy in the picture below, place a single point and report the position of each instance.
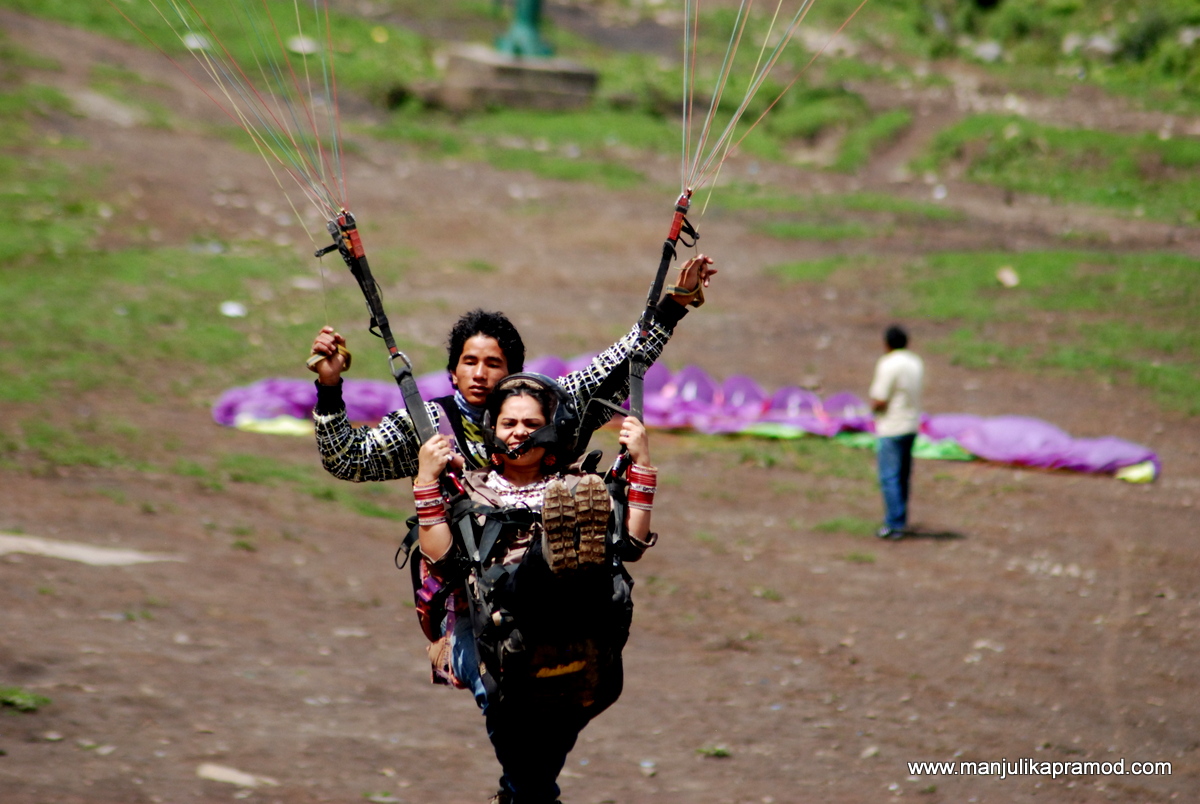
(1032, 442)
(740, 402)
(691, 398)
(949, 425)
(551, 366)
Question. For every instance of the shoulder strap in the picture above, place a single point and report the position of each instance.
(485, 503)
(472, 451)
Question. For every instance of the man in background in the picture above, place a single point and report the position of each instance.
(896, 399)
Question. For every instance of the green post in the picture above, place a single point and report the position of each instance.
(523, 38)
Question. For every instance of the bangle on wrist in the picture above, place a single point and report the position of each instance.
(431, 506)
(429, 520)
(643, 482)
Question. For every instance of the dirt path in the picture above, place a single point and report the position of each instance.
(1060, 625)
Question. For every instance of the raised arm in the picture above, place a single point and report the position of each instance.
(607, 376)
(385, 452)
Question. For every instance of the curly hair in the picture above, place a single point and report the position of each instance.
(492, 325)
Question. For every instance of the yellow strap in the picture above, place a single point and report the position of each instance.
(697, 293)
(314, 359)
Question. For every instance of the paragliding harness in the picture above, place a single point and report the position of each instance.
(536, 634)
(580, 661)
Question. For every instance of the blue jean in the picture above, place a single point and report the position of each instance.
(895, 467)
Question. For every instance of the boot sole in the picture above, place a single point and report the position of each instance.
(592, 512)
(558, 528)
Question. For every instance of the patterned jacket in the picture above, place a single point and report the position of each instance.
(389, 450)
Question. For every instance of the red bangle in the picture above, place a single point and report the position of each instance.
(643, 481)
(426, 490)
(431, 506)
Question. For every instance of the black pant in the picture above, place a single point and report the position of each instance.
(532, 739)
(533, 732)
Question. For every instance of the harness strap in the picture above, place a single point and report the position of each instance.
(497, 520)
(460, 516)
(639, 363)
(452, 416)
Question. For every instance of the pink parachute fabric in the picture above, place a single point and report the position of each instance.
(1032, 442)
(741, 402)
(800, 408)
(692, 399)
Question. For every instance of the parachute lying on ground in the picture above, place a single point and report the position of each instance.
(691, 399)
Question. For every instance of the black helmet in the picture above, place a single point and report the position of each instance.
(559, 435)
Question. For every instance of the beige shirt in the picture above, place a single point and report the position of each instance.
(899, 375)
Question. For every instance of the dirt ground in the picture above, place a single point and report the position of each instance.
(1055, 620)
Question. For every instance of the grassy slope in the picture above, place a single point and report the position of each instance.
(1124, 318)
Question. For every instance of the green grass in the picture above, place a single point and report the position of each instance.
(815, 456)
(811, 270)
(60, 447)
(22, 700)
(800, 230)
(82, 313)
(587, 146)
(397, 510)
(248, 467)
(378, 500)
(825, 217)
(45, 208)
(1124, 318)
(43, 446)
(14, 58)
(127, 87)
(862, 141)
(1152, 67)
(562, 168)
(1132, 174)
(479, 266)
(591, 131)
(875, 207)
(805, 113)
(364, 63)
(93, 319)
(635, 113)
(850, 525)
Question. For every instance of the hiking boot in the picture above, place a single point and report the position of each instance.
(558, 527)
(592, 509)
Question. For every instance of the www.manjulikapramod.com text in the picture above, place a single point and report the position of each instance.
(1025, 766)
